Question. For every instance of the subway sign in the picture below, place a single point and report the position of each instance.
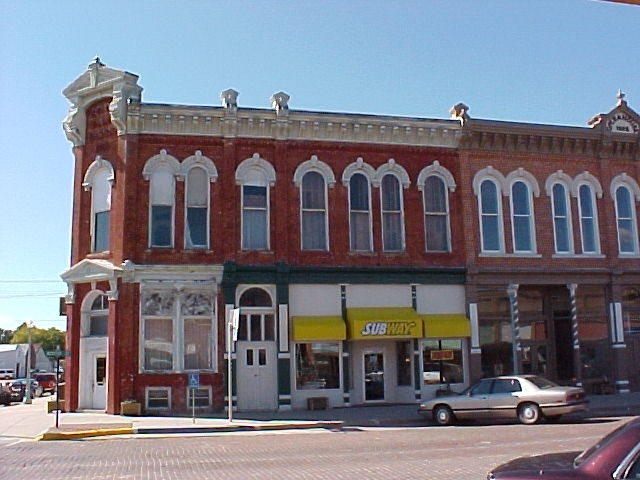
(389, 329)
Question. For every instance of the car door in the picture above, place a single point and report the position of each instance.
(503, 401)
(473, 402)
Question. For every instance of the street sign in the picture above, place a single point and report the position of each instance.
(194, 380)
(58, 353)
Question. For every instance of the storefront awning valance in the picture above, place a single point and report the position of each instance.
(368, 323)
(446, 325)
(308, 328)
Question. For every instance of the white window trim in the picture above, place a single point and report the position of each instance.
(532, 189)
(563, 179)
(498, 179)
(624, 180)
(96, 166)
(359, 166)
(596, 226)
(157, 409)
(198, 160)
(318, 166)
(436, 170)
(383, 211)
(170, 163)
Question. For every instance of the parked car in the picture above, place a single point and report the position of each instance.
(6, 373)
(5, 395)
(19, 387)
(47, 381)
(615, 456)
(527, 398)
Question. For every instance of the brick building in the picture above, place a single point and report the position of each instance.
(366, 256)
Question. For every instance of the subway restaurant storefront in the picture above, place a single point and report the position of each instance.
(375, 355)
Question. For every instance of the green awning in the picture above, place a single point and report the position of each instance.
(445, 325)
(327, 327)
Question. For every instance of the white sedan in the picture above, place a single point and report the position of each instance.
(527, 398)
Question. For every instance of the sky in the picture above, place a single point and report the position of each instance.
(538, 61)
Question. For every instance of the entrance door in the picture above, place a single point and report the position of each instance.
(99, 390)
(257, 376)
(373, 375)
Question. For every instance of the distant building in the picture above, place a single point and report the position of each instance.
(14, 356)
(372, 258)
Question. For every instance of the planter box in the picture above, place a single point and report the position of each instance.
(130, 409)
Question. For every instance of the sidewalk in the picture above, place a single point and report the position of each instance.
(33, 421)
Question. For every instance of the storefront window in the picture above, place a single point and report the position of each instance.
(593, 331)
(494, 320)
(442, 361)
(317, 365)
(631, 310)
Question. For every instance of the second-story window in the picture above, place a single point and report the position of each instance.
(359, 213)
(196, 226)
(436, 215)
(254, 217)
(98, 179)
(490, 217)
(626, 221)
(392, 221)
(561, 219)
(162, 203)
(313, 211)
(588, 219)
(521, 218)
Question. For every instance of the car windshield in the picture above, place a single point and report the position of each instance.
(542, 382)
(584, 456)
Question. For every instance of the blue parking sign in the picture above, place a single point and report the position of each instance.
(194, 380)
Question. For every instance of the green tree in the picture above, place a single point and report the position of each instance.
(5, 335)
(50, 338)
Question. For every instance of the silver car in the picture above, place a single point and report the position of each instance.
(525, 397)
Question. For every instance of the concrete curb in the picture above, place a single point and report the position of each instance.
(101, 432)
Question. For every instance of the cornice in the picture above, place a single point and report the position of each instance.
(295, 125)
(500, 136)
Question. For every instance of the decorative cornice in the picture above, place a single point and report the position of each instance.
(296, 125)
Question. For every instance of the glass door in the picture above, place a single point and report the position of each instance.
(373, 376)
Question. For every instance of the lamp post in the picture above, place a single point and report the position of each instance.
(27, 393)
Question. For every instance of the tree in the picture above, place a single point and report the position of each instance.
(5, 335)
(50, 338)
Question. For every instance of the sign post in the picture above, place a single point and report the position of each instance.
(232, 337)
(194, 382)
(57, 354)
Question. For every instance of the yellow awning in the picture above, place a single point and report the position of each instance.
(307, 328)
(383, 322)
(446, 325)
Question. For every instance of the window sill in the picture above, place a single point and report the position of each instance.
(578, 255)
(509, 255)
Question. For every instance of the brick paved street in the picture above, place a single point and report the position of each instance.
(463, 452)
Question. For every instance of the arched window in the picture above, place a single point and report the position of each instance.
(99, 317)
(436, 215)
(588, 219)
(255, 175)
(313, 212)
(490, 217)
(98, 179)
(392, 214)
(359, 213)
(521, 218)
(257, 316)
(196, 228)
(561, 211)
(626, 221)
(161, 170)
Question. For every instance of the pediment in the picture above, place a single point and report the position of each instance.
(97, 78)
(91, 270)
(622, 120)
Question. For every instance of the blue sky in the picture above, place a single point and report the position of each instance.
(541, 61)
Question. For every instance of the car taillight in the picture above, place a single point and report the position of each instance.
(572, 397)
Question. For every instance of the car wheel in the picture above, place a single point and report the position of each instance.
(529, 413)
(443, 415)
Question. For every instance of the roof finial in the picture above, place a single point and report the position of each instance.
(96, 62)
(620, 96)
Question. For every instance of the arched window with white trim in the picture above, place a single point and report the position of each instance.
(490, 217)
(522, 218)
(392, 211)
(436, 215)
(360, 213)
(313, 212)
(99, 178)
(255, 175)
(196, 225)
(626, 223)
(161, 171)
(588, 219)
(561, 211)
